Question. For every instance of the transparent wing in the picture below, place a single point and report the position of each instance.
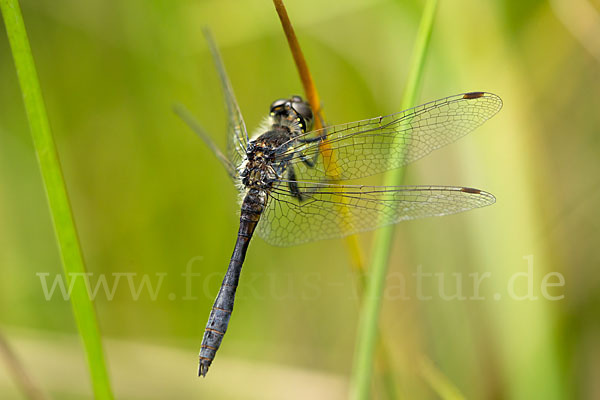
(368, 147)
(330, 211)
(238, 135)
(187, 117)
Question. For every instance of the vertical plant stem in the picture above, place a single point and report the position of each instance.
(307, 81)
(58, 201)
(312, 96)
(356, 253)
(369, 318)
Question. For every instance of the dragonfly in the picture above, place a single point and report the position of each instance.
(289, 176)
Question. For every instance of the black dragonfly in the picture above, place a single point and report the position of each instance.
(287, 176)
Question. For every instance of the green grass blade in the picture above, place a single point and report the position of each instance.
(368, 323)
(58, 201)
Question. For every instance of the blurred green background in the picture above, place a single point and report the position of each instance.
(150, 199)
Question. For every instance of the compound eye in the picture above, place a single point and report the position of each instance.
(277, 104)
(304, 111)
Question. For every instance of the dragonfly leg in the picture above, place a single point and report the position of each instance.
(293, 185)
(313, 139)
(305, 160)
(310, 163)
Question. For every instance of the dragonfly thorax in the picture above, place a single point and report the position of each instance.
(259, 175)
(258, 171)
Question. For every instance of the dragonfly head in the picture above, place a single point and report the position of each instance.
(293, 109)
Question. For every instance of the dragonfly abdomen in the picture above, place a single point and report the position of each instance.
(218, 320)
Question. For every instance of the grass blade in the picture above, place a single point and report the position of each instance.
(368, 323)
(58, 201)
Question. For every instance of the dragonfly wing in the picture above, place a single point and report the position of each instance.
(368, 147)
(187, 117)
(238, 134)
(331, 211)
